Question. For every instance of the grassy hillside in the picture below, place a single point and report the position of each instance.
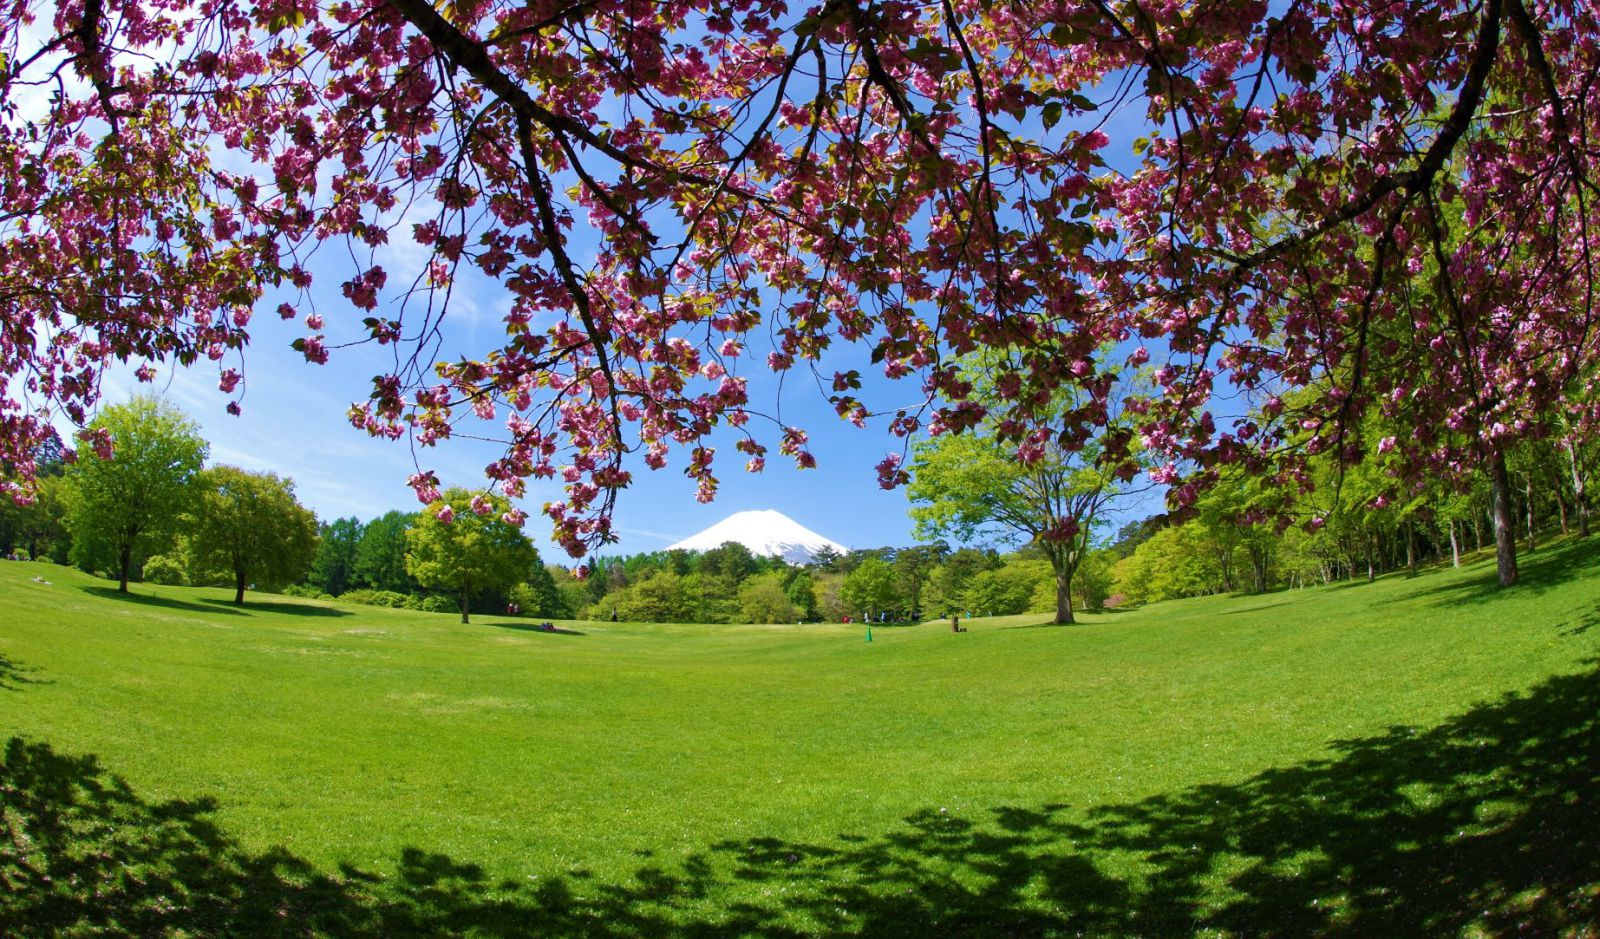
(1411, 755)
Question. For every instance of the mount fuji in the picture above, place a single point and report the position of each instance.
(766, 533)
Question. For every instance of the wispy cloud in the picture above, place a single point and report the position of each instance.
(644, 533)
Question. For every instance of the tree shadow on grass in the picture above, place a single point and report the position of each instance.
(1582, 624)
(1492, 819)
(535, 628)
(1537, 573)
(13, 676)
(268, 606)
(144, 599)
(1489, 821)
(1255, 609)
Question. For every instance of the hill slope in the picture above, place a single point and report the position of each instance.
(1410, 755)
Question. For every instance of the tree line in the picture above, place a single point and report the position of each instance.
(155, 513)
(729, 584)
(137, 502)
(1362, 521)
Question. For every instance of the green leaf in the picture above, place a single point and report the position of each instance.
(1063, 35)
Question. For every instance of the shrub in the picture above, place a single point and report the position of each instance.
(437, 604)
(386, 598)
(431, 603)
(308, 591)
(162, 569)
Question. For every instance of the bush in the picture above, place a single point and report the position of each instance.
(388, 598)
(165, 570)
(308, 591)
(435, 604)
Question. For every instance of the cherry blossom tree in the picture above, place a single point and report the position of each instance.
(671, 194)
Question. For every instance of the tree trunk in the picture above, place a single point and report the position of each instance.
(238, 587)
(1064, 598)
(1455, 546)
(124, 564)
(1505, 536)
(1527, 482)
(1258, 567)
(465, 594)
(1577, 490)
(1411, 551)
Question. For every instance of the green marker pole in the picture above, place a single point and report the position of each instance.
(869, 633)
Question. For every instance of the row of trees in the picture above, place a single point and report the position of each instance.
(729, 584)
(1357, 529)
(156, 512)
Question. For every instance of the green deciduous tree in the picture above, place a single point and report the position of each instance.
(1008, 589)
(539, 595)
(39, 528)
(762, 599)
(461, 543)
(802, 593)
(125, 501)
(333, 570)
(871, 588)
(947, 585)
(658, 597)
(968, 486)
(1175, 562)
(251, 526)
(380, 559)
(1093, 579)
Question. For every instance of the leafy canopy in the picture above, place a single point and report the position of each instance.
(251, 526)
(463, 543)
(759, 184)
(127, 492)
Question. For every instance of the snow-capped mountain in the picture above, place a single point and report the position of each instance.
(766, 533)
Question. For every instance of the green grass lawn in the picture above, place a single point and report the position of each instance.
(1413, 755)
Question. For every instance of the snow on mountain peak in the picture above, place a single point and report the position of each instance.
(767, 533)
